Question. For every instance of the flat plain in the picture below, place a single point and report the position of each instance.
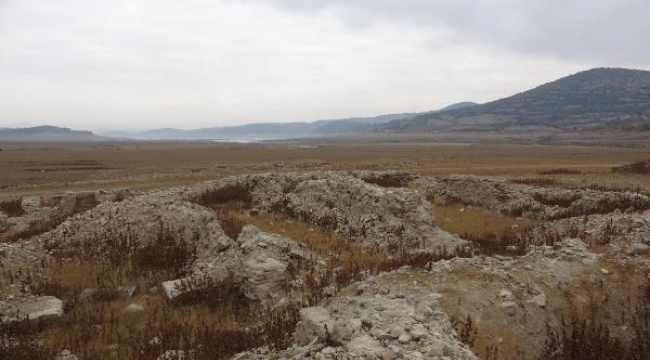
(58, 167)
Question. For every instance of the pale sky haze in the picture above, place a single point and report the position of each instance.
(120, 64)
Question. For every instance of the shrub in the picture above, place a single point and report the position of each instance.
(237, 195)
(588, 337)
(564, 201)
(539, 182)
(19, 341)
(559, 171)
(386, 180)
(12, 207)
(167, 254)
(640, 167)
(232, 226)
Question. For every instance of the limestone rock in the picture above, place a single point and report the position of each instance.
(31, 204)
(509, 307)
(637, 249)
(134, 308)
(315, 323)
(45, 308)
(66, 355)
(73, 203)
(265, 259)
(107, 293)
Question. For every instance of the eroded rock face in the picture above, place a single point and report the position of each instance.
(379, 323)
(515, 199)
(370, 215)
(376, 216)
(72, 203)
(139, 222)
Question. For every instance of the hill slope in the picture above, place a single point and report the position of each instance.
(46, 133)
(264, 131)
(597, 99)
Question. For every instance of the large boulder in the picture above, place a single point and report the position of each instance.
(405, 322)
(31, 203)
(72, 203)
(265, 259)
(258, 266)
(107, 293)
(637, 249)
(315, 325)
(45, 308)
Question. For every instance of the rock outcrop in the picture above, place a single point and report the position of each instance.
(45, 308)
(399, 322)
(515, 199)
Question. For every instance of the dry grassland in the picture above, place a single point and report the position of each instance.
(38, 169)
(55, 168)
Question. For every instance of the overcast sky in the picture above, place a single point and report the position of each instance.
(193, 63)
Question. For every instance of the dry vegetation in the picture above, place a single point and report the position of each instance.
(103, 330)
(55, 168)
(12, 207)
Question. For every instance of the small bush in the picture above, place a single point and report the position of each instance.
(615, 188)
(508, 242)
(237, 195)
(167, 254)
(559, 171)
(564, 201)
(587, 337)
(539, 182)
(12, 207)
(386, 180)
(209, 292)
(231, 225)
(640, 167)
(19, 341)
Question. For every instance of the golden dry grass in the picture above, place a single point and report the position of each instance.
(94, 329)
(54, 168)
(458, 219)
(38, 169)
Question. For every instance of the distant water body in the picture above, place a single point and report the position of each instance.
(237, 141)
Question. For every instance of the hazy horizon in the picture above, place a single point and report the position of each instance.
(138, 65)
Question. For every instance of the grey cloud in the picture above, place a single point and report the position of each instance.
(193, 63)
(603, 31)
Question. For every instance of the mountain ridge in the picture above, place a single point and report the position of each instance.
(46, 133)
(595, 99)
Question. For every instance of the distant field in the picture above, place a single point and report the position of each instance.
(52, 168)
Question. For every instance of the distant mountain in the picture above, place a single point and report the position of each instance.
(460, 105)
(46, 133)
(603, 99)
(268, 131)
